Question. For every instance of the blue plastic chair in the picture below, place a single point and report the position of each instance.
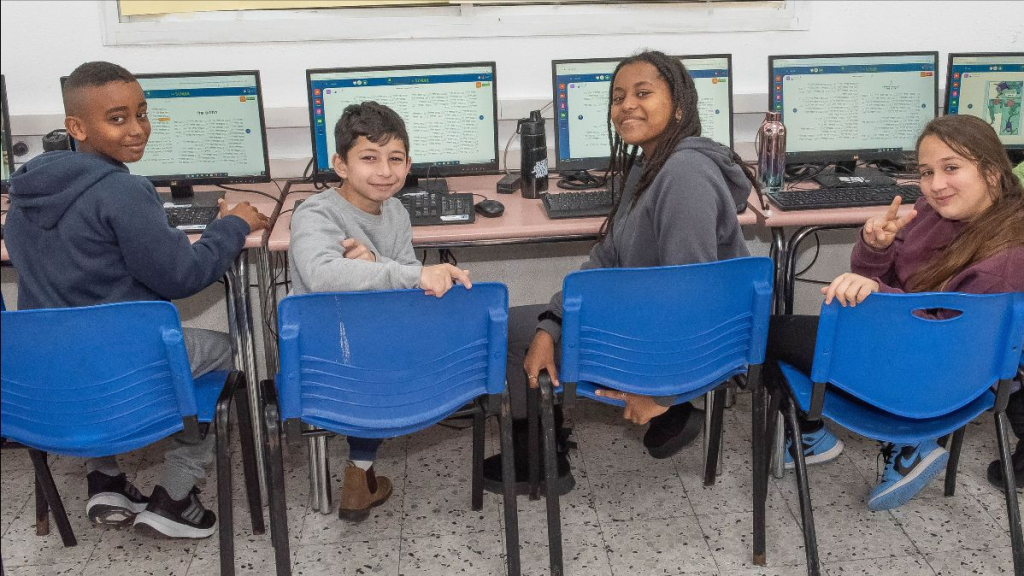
(386, 364)
(678, 331)
(891, 370)
(104, 380)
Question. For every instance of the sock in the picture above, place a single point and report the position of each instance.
(177, 489)
(106, 465)
(364, 464)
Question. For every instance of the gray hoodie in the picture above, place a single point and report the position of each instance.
(686, 216)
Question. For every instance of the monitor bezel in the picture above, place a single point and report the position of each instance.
(602, 162)
(164, 180)
(850, 155)
(422, 169)
(8, 138)
(949, 79)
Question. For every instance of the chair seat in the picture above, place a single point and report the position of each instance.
(876, 424)
(208, 388)
(589, 389)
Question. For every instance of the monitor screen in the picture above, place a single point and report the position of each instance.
(450, 112)
(581, 117)
(5, 137)
(989, 86)
(208, 128)
(839, 108)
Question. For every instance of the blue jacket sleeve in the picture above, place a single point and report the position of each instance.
(161, 257)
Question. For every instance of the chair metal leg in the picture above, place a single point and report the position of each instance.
(1012, 505)
(759, 446)
(276, 492)
(810, 538)
(42, 509)
(547, 414)
(533, 453)
(225, 506)
(249, 469)
(45, 481)
(320, 475)
(713, 436)
(955, 445)
(508, 475)
(478, 460)
(778, 440)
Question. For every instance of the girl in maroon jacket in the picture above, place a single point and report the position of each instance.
(966, 234)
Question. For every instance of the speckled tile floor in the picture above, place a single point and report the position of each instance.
(628, 515)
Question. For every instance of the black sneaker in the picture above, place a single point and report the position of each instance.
(113, 500)
(995, 469)
(672, 431)
(167, 518)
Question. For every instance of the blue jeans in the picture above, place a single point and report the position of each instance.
(363, 448)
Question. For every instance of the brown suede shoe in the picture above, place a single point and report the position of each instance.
(361, 492)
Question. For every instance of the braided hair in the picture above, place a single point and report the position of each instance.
(683, 123)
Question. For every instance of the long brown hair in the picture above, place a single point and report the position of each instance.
(999, 227)
(623, 156)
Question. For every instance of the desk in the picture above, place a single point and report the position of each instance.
(523, 221)
(239, 308)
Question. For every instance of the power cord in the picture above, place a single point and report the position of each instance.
(580, 180)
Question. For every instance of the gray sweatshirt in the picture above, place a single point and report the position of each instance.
(317, 261)
(686, 216)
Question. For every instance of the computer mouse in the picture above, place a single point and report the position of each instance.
(490, 208)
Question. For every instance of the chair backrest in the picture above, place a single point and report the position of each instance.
(666, 330)
(381, 364)
(94, 381)
(890, 352)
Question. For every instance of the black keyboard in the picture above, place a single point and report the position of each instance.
(579, 204)
(431, 208)
(191, 218)
(848, 197)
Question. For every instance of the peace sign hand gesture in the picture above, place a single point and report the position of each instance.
(880, 231)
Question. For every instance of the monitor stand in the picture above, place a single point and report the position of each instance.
(417, 184)
(186, 196)
(847, 174)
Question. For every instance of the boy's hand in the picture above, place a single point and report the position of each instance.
(245, 211)
(880, 231)
(355, 250)
(541, 356)
(437, 279)
(639, 408)
(850, 289)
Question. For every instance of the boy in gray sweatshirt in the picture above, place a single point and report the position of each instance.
(358, 237)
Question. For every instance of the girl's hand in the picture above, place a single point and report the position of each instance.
(880, 231)
(850, 289)
(639, 408)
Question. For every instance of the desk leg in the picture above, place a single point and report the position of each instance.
(240, 327)
(777, 253)
(789, 290)
(319, 476)
(268, 308)
(778, 444)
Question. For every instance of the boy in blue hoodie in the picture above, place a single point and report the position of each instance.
(82, 231)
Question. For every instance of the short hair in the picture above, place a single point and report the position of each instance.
(89, 75)
(378, 123)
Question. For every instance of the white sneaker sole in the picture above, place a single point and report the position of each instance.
(826, 456)
(168, 528)
(112, 509)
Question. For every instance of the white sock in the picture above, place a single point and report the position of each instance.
(364, 464)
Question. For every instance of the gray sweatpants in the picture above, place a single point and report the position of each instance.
(185, 462)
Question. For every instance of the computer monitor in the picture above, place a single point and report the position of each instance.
(5, 137)
(581, 89)
(989, 86)
(845, 108)
(450, 112)
(207, 128)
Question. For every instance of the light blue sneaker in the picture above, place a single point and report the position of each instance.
(908, 469)
(819, 447)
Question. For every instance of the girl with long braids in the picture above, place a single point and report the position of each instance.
(678, 198)
(965, 234)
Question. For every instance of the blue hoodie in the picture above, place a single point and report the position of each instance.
(81, 230)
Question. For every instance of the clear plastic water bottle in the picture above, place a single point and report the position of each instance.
(770, 143)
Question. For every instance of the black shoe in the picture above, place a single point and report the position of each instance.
(113, 500)
(672, 431)
(995, 470)
(167, 518)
